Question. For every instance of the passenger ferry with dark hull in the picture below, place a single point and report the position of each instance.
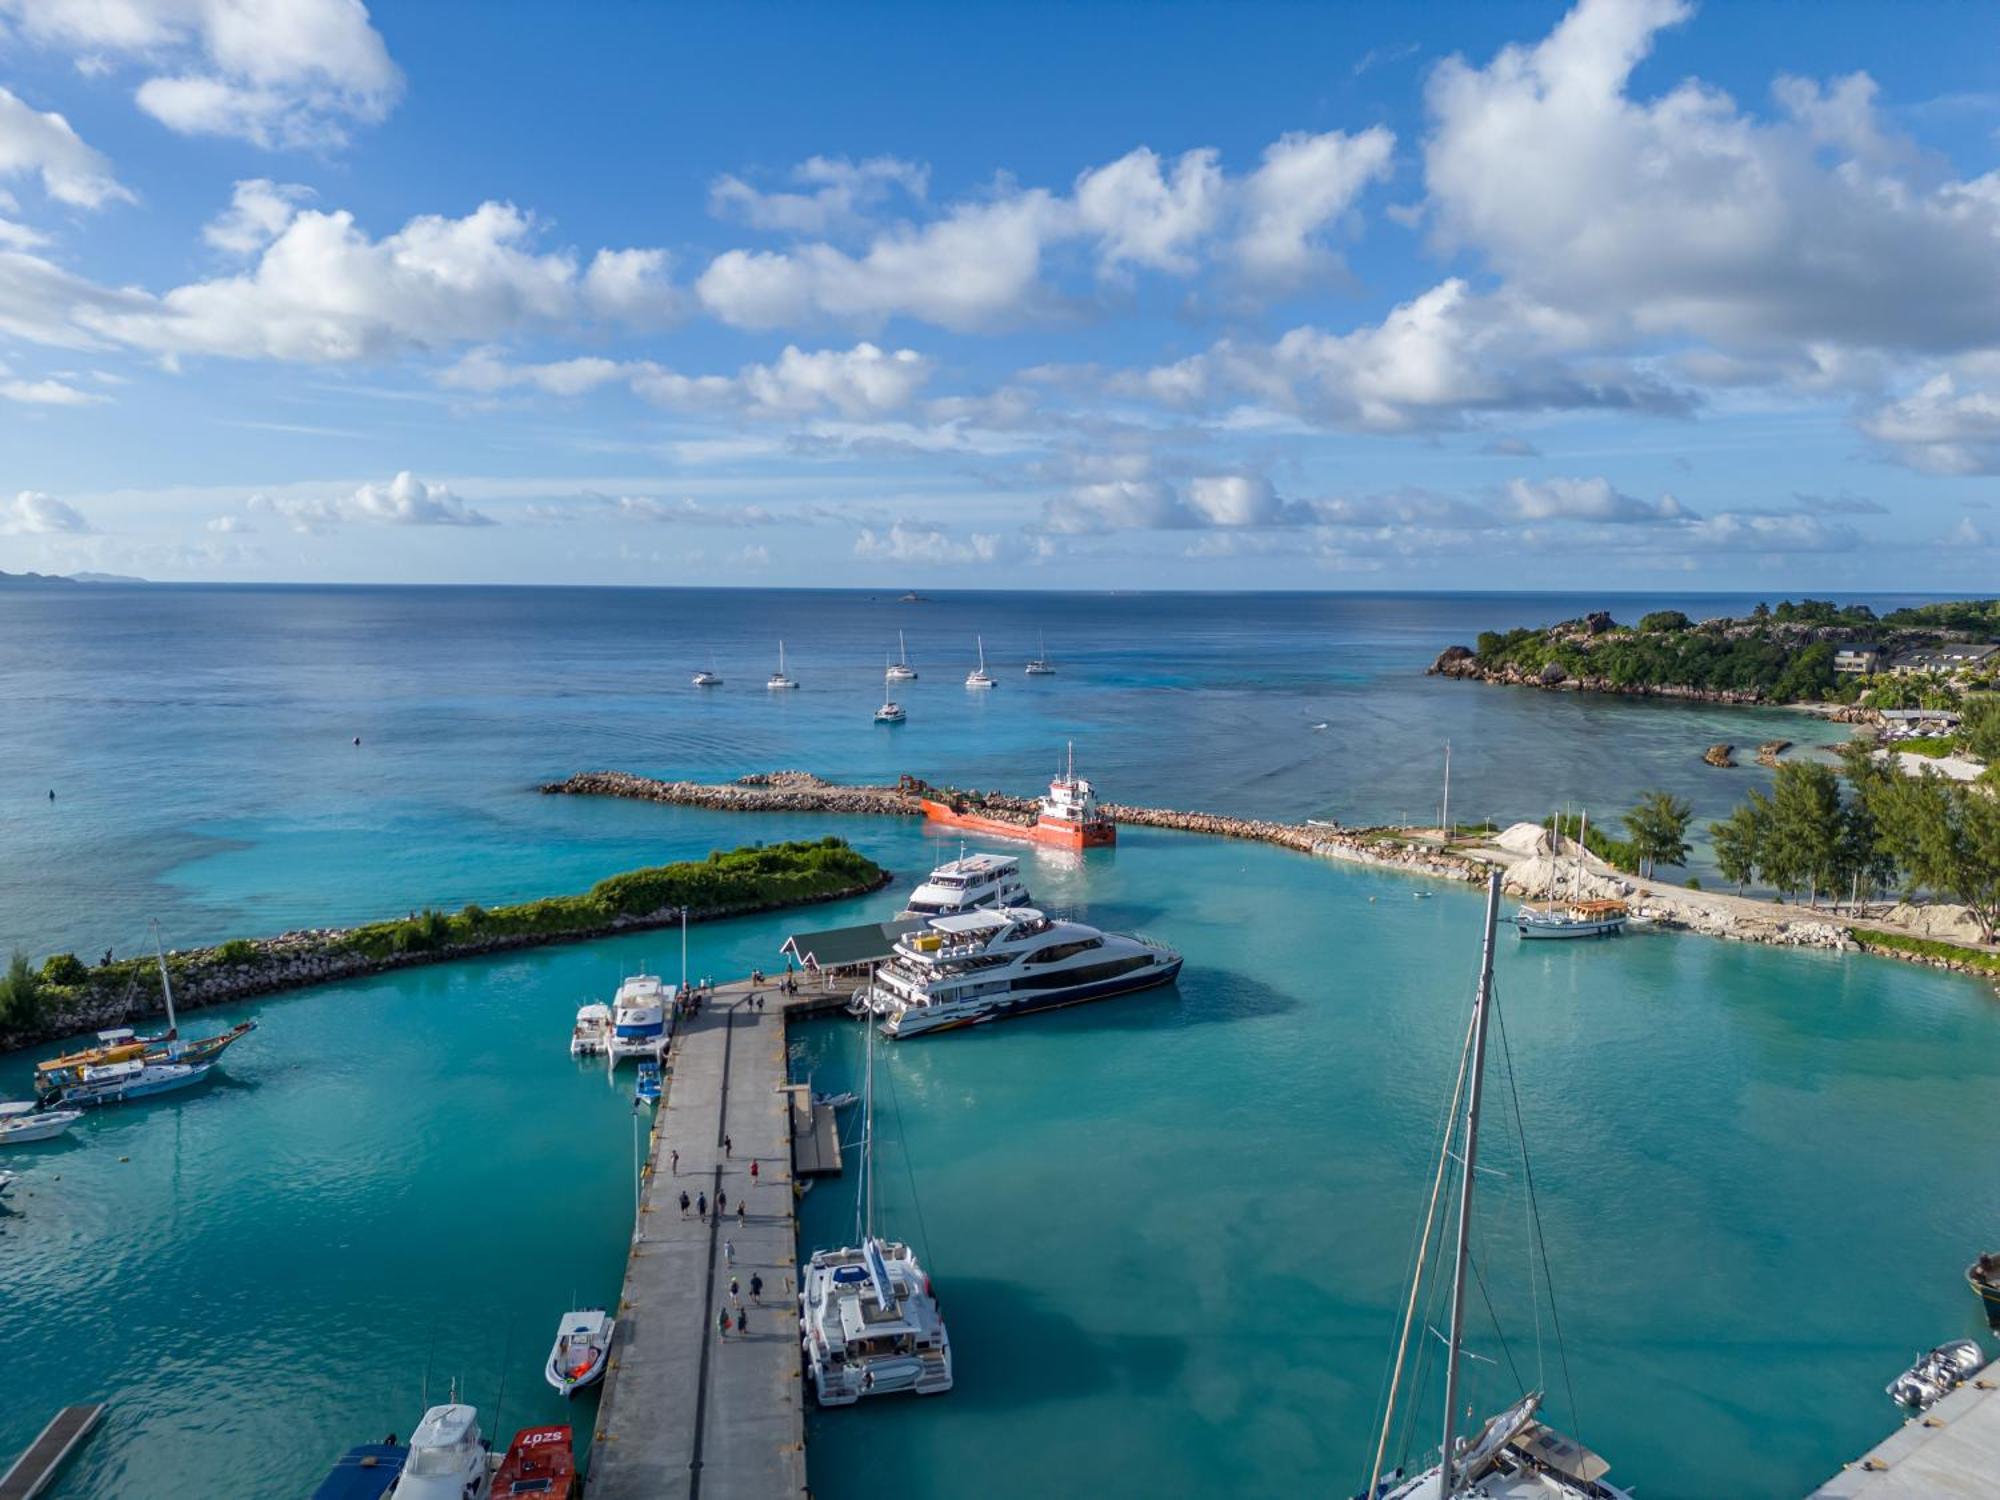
(974, 967)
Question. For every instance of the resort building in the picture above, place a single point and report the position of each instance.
(1858, 661)
(1952, 656)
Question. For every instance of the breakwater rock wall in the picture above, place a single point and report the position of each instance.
(247, 969)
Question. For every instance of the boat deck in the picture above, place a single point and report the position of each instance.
(686, 1413)
(31, 1473)
(1951, 1450)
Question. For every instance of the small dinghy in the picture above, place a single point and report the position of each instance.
(837, 1101)
(1936, 1374)
(647, 1089)
(582, 1348)
(539, 1462)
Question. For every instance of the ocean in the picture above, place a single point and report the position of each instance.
(1169, 1232)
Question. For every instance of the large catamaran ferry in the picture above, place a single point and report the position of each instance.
(972, 882)
(979, 966)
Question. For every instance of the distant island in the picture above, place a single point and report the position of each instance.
(1809, 651)
(60, 580)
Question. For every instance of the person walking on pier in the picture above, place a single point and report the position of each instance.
(701, 1205)
(684, 1203)
(728, 1146)
(729, 1252)
(722, 1323)
(721, 1203)
(742, 1321)
(735, 1291)
(756, 1287)
(675, 1158)
(753, 1170)
(742, 1214)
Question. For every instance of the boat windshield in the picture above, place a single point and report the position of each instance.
(453, 1458)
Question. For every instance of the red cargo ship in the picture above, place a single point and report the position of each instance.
(1069, 817)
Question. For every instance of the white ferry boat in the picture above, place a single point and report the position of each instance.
(979, 966)
(972, 882)
(639, 1019)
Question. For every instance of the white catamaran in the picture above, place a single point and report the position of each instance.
(900, 669)
(1513, 1456)
(778, 681)
(978, 677)
(868, 1320)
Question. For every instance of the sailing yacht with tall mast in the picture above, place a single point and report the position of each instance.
(778, 680)
(900, 669)
(1576, 916)
(977, 677)
(1041, 666)
(1514, 1455)
(868, 1320)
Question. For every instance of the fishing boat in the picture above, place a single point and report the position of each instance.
(1983, 1276)
(592, 1032)
(1576, 917)
(581, 1350)
(364, 1472)
(540, 1462)
(447, 1458)
(978, 678)
(22, 1123)
(1041, 666)
(778, 681)
(869, 1321)
(1514, 1455)
(980, 966)
(890, 712)
(972, 882)
(646, 1087)
(710, 678)
(638, 1019)
(900, 669)
(1068, 816)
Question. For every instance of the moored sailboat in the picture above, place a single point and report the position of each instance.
(1041, 666)
(900, 669)
(979, 677)
(1514, 1455)
(1576, 916)
(778, 680)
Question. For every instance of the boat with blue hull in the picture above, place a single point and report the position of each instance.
(646, 1088)
(120, 1082)
(639, 1019)
(364, 1472)
(973, 967)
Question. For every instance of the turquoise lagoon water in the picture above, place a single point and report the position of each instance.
(1169, 1231)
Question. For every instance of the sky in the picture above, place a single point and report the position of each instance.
(1495, 295)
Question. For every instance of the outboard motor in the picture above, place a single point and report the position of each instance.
(1935, 1374)
(1964, 1357)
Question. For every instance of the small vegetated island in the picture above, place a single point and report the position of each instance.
(1809, 651)
(66, 995)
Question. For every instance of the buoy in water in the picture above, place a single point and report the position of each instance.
(357, 740)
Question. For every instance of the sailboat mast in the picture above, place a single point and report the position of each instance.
(1446, 820)
(1448, 1476)
(864, 1208)
(166, 984)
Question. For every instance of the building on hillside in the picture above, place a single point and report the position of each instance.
(1920, 720)
(1851, 661)
(1952, 656)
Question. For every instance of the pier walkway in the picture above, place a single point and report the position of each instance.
(685, 1412)
(1952, 1449)
(31, 1473)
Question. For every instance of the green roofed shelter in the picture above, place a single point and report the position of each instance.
(837, 947)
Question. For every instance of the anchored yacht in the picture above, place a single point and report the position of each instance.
(778, 680)
(979, 966)
(890, 712)
(978, 677)
(900, 669)
(639, 1019)
(448, 1458)
(592, 1032)
(1041, 666)
(710, 678)
(972, 882)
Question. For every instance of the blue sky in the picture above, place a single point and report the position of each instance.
(1499, 295)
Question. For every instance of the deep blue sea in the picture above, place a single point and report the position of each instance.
(1169, 1231)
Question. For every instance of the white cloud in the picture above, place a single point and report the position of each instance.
(682, 511)
(918, 542)
(1306, 181)
(259, 211)
(1767, 532)
(230, 526)
(1940, 429)
(31, 513)
(840, 193)
(323, 291)
(633, 288)
(45, 392)
(1593, 499)
(403, 501)
(292, 73)
(1142, 217)
(1235, 500)
(43, 144)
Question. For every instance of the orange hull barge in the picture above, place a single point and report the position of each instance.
(1069, 817)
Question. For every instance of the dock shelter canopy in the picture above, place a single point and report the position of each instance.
(836, 947)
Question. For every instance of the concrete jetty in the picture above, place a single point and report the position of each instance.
(688, 1412)
(1952, 1449)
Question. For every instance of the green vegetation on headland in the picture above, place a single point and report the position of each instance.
(1781, 654)
(1928, 949)
(66, 994)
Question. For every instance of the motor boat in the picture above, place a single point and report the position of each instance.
(581, 1350)
(840, 1100)
(900, 669)
(890, 712)
(21, 1122)
(646, 1088)
(778, 680)
(639, 1019)
(592, 1032)
(117, 1082)
(364, 1472)
(978, 677)
(1983, 1276)
(710, 678)
(979, 966)
(540, 1462)
(972, 882)
(1936, 1374)
(447, 1458)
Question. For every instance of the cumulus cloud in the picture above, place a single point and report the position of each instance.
(259, 211)
(1593, 499)
(31, 513)
(919, 542)
(290, 73)
(1940, 429)
(1143, 216)
(403, 501)
(46, 392)
(1306, 181)
(323, 291)
(838, 193)
(42, 144)
(230, 526)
